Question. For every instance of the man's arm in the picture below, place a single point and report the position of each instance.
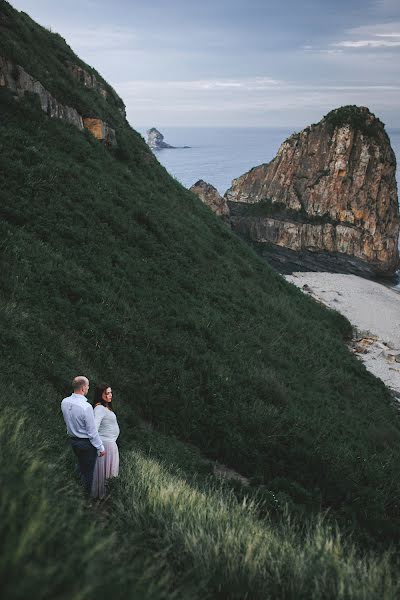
(64, 410)
(91, 429)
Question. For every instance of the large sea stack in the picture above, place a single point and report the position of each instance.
(328, 199)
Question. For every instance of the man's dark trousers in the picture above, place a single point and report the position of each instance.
(86, 455)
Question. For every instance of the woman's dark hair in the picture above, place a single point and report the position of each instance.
(98, 393)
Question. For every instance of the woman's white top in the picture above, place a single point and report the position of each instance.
(106, 423)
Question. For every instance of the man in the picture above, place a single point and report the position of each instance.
(81, 428)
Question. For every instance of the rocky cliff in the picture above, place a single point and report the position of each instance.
(100, 130)
(210, 196)
(18, 81)
(331, 191)
(88, 80)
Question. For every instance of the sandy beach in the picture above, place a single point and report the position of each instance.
(374, 311)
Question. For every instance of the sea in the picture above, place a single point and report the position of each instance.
(220, 154)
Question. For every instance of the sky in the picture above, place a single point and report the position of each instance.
(236, 62)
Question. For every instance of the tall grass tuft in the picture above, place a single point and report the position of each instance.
(54, 545)
(231, 553)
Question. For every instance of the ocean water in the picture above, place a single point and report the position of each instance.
(220, 154)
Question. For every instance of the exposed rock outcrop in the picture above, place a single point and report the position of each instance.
(16, 79)
(331, 190)
(100, 130)
(155, 140)
(210, 196)
(88, 80)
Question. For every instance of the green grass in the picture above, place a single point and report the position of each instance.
(163, 533)
(110, 268)
(230, 553)
(53, 544)
(114, 268)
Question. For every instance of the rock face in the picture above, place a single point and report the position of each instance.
(210, 196)
(88, 80)
(100, 130)
(16, 79)
(331, 191)
(155, 140)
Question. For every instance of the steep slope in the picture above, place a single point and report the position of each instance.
(111, 268)
(330, 195)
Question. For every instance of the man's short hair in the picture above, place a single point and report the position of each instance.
(79, 381)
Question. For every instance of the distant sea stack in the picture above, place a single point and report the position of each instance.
(155, 140)
(210, 196)
(328, 198)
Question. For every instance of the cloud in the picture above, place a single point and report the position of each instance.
(246, 101)
(259, 84)
(379, 29)
(201, 85)
(386, 6)
(330, 51)
(380, 35)
(368, 44)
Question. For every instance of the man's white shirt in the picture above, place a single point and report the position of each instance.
(79, 419)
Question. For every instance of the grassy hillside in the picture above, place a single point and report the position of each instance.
(110, 268)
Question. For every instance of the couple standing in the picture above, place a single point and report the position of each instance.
(93, 433)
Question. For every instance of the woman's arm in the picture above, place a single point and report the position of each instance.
(99, 412)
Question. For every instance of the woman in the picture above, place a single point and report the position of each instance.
(106, 422)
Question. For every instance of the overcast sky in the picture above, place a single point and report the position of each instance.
(236, 62)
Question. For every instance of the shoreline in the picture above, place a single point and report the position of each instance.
(373, 309)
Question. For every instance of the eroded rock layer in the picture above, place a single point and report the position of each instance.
(88, 80)
(16, 79)
(330, 189)
(210, 196)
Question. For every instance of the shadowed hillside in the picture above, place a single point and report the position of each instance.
(110, 268)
